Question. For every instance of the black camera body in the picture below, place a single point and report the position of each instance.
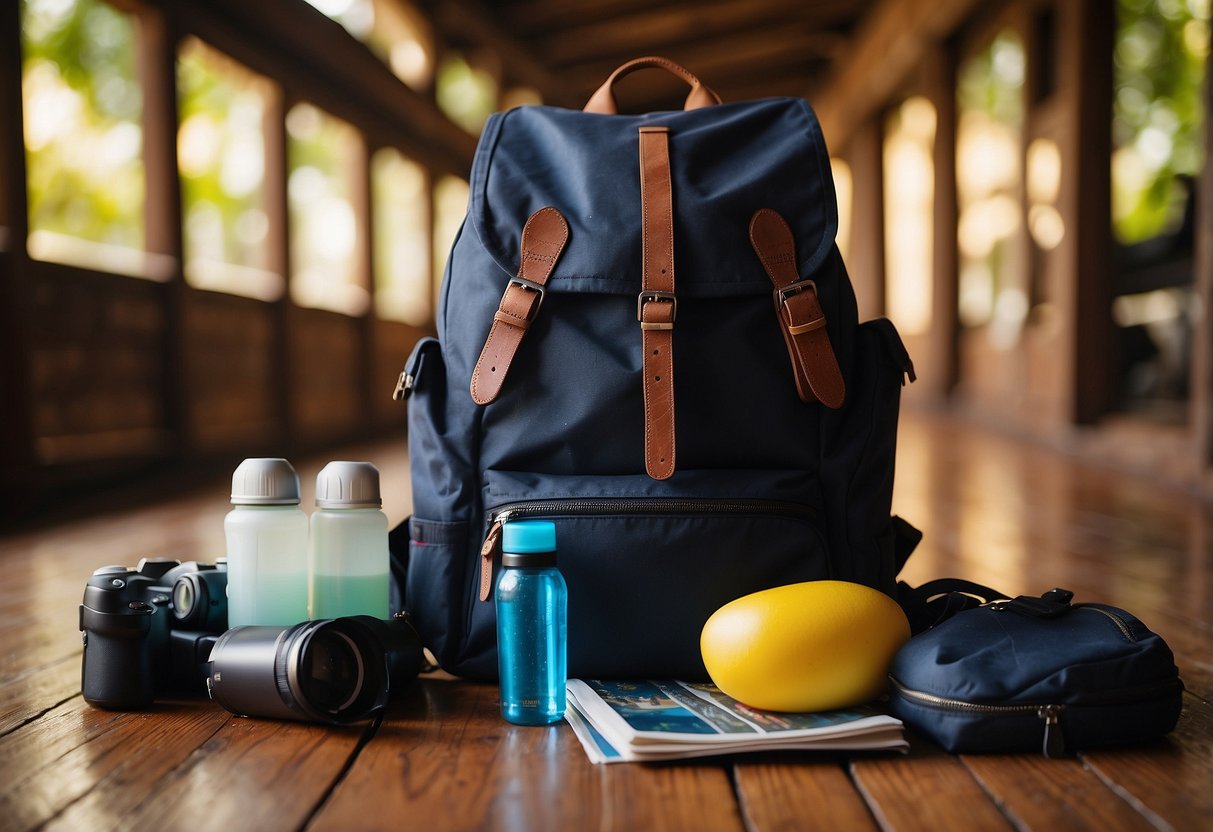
(148, 631)
(161, 629)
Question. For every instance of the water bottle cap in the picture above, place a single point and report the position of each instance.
(348, 485)
(265, 482)
(528, 536)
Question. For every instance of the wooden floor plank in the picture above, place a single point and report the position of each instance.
(795, 795)
(925, 791)
(1170, 781)
(1042, 793)
(251, 774)
(109, 760)
(37, 692)
(445, 758)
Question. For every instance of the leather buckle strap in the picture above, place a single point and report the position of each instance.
(798, 310)
(816, 319)
(531, 305)
(644, 298)
(656, 305)
(543, 240)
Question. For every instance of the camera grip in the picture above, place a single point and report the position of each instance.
(119, 649)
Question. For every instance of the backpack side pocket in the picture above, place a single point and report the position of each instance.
(858, 449)
(441, 447)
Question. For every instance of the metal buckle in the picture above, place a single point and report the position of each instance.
(782, 294)
(656, 297)
(525, 284)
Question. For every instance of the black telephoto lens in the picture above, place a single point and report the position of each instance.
(338, 671)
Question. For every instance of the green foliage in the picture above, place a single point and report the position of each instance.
(992, 81)
(1160, 56)
(82, 107)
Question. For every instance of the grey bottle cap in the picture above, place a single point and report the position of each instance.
(348, 485)
(265, 482)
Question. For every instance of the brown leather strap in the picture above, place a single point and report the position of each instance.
(543, 239)
(801, 319)
(603, 99)
(656, 306)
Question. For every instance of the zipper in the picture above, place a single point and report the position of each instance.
(1053, 743)
(600, 506)
(1120, 623)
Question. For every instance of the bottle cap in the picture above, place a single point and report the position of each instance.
(528, 543)
(348, 485)
(265, 482)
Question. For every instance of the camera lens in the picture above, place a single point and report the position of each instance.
(183, 600)
(333, 671)
(327, 671)
(200, 600)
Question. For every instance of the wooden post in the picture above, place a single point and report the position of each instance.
(278, 253)
(865, 155)
(941, 69)
(364, 270)
(17, 459)
(157, 53)
(1089, 37)
(1202, 347)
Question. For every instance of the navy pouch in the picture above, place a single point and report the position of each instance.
(1016, 675)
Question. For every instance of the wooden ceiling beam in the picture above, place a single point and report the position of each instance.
(324, 63)
(547, 15)
(759, 52)
(662, 27)
(466, 21)
(892, 40)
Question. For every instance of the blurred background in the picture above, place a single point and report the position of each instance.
(223, 224)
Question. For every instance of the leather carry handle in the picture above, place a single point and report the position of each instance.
(603, 99)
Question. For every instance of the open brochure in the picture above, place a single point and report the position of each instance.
(666, 720)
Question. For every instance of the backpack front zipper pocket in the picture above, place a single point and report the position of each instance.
(647, 563)
(654, 507)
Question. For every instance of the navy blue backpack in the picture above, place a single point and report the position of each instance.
(647, 335)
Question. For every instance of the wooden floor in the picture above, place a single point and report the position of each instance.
(992, 510)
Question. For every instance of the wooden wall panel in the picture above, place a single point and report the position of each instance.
(96, 366)
(230, 367)
(326, 364)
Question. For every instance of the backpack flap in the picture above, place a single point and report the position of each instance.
(726, 162)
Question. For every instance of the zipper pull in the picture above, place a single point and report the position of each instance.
(411, 374)
(1054, 742)
(488, 551)
(404, 386)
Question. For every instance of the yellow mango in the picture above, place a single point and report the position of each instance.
(812, 646)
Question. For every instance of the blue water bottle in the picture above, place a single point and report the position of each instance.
(532, 629)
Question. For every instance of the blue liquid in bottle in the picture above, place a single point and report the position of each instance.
(532, 629)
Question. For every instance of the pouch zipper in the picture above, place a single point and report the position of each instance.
(605, 506)
(1053, 744)
(1120, 623)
